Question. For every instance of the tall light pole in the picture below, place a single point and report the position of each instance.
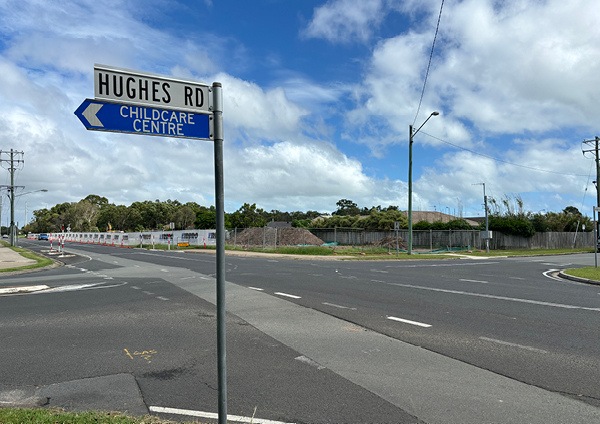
(411, 134)
(11, 189)
(487, 227)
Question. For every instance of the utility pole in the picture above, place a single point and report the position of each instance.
(11, 189)
(594, 144)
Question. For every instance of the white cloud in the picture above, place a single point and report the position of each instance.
(303, 176)
(450, 179)
(346, 20)
(505, 67)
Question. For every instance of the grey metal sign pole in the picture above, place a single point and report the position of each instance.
(220, 230)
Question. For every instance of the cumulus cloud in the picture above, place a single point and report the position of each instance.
(503, 67)
(345, 20)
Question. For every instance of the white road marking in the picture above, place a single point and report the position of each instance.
(288, 295)
(211, 415)
(162, 298)
(406, 321)
(164, 270)
(10, 290)
(474, 281)
(338, 306)
(489, 296)
(378, 281)
(187, 278)
(550, 271)
(135, 287)
(76, 287)
(377, 270)
(147, 292)
(255, 288)
(532, 349)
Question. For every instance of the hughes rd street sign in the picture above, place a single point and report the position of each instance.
(127, 86)
(133, 119)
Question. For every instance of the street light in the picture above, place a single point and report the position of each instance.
(11, 189)
(411, 134)
(487, 228)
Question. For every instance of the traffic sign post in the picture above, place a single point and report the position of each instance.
(134, 102)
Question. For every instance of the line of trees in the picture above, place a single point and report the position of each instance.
(95, 213)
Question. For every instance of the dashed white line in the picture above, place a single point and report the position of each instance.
(474, 281)
(338, 306)
(502, 342)
(211, 415)
(255, 288)
(147, 292)
(406, 321)
(162, 298)
(489, 296)
(288, 295)
(164, 270)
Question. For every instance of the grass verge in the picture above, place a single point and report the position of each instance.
(40, 261)
(527, 252)
(58, 416)
(590, 272)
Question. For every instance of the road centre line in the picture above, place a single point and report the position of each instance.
(211, 415)
(490, 296)
(474, 281)
(255, 288)
(533, 349)
(288, 295)
(406, 321)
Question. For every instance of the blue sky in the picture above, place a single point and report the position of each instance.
(318, 98)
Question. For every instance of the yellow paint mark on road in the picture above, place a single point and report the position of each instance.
(128, 354)
(146, 354)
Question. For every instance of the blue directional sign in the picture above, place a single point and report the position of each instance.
(99, 115)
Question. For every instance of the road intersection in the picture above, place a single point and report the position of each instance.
(450, 341)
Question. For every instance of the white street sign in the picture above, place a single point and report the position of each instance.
(135, 87)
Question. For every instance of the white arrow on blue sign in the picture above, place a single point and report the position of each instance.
(133, 119)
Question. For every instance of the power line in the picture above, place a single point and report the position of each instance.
(504, 161)
(430, 58)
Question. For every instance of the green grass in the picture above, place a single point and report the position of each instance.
(57, 416)
(40, 261)
(590, 272)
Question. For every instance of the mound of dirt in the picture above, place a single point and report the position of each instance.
(390, 242)
(273, 237)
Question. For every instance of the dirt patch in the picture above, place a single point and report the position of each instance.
(273, 237)
(390, 242)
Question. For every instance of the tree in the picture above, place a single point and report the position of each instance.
(346, 207)
(248, 216)
(184, 217)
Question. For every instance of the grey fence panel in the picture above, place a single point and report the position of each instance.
(440, 239)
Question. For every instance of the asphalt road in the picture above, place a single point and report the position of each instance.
(504, 315)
